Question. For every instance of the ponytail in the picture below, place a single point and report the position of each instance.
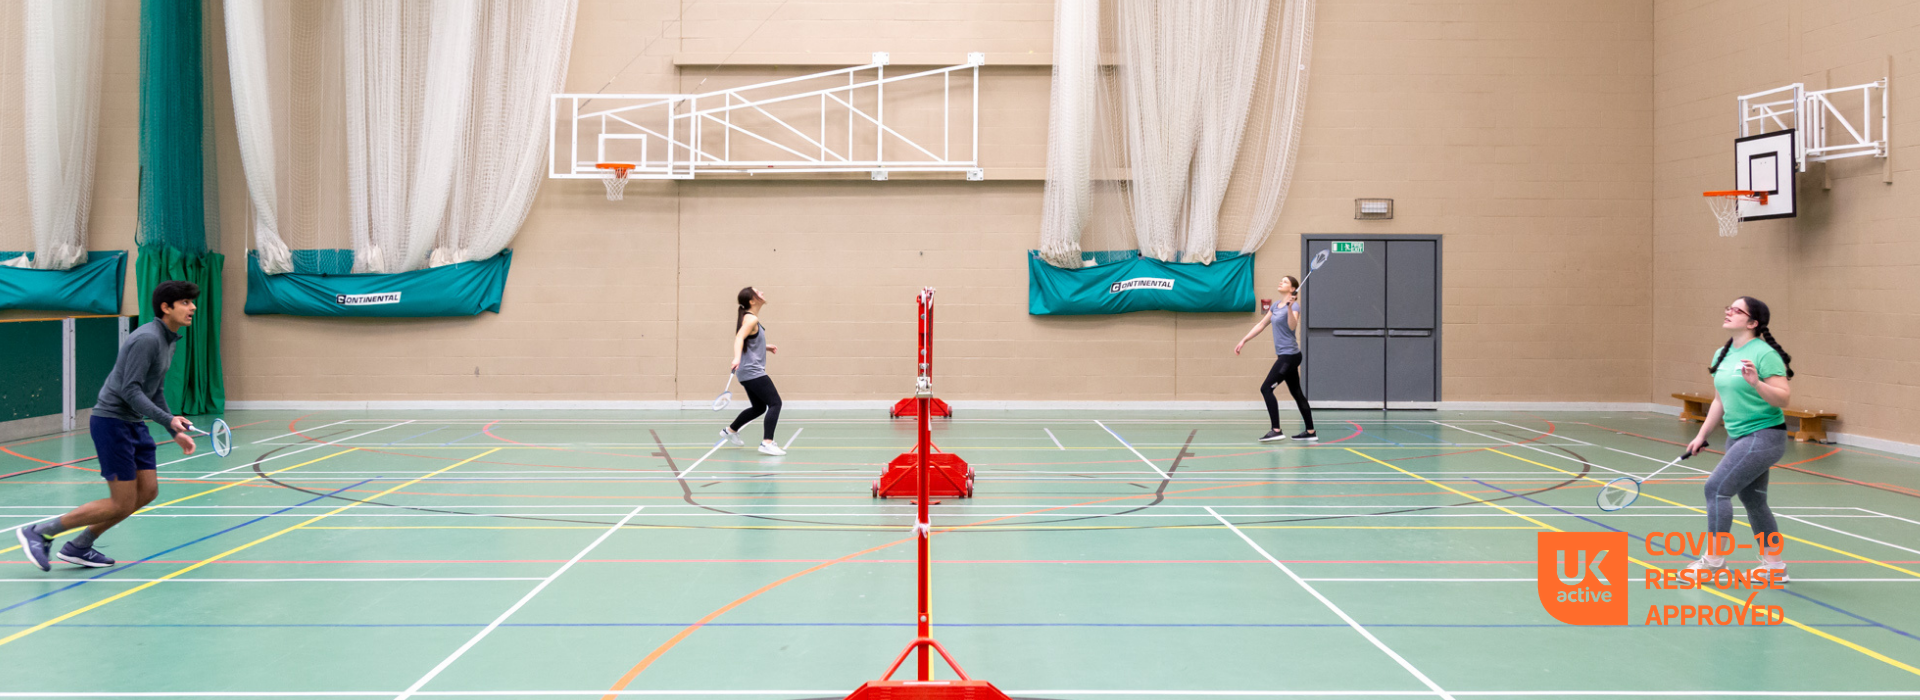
(1724, 351)
(1785, 359)
(746, 302)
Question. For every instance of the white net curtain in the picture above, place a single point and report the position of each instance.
(410, 132)
(1174, 125)
(49, 124)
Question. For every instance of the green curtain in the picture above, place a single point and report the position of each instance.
(194, 385)
(177, 207)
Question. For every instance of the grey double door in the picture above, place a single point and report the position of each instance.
(1372, 318)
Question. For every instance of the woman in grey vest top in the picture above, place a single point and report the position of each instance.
(1284, 317)
(750, 350)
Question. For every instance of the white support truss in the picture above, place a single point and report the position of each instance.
(841, 121)
(1814, 113)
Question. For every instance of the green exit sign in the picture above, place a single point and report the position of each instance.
(1349, 246)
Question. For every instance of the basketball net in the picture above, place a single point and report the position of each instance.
(1726, 208)
(617, 184)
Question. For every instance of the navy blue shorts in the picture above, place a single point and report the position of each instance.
(124, 447)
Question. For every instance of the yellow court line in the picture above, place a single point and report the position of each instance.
(937, 529)
(217, 557)
(1737, 520)
(208, 491)
(1816, 632)
(950, 448)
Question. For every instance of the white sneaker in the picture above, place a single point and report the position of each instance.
(1778, 573)
(768, 448)
(1702, 564)
(733, 438)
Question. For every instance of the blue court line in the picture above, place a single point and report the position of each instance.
(1870, 622)
(132, 564)
(463, 437)
(1336, 625)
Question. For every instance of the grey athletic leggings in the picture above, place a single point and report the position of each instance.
(1743, 472)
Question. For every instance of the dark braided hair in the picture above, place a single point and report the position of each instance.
(746, 301)
(1758, 311)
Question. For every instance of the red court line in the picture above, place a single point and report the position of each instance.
(436, 562)
(63, 464)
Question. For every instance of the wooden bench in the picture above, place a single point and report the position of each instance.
(1693, 407)
(1813, 426)
(1813, 423)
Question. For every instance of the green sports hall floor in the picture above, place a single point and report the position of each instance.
(560, 554)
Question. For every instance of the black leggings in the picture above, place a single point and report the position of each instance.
(1286, 368)
(765, 398)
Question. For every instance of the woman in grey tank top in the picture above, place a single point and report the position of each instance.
(1284, 317)
(750, 350)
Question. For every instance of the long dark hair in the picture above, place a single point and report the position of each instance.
(1758, 311)
(746, 301)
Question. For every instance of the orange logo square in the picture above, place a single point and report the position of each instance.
(1582, 576)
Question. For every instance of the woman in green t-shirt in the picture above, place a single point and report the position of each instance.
(1750, 376)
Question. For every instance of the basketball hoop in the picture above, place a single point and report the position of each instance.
(1726, 207)
(618, 183)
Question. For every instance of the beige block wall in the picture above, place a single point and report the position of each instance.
(1840, 277)
(1520, 130)
(116, 170)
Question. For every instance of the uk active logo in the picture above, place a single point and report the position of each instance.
(1140, 283)
(1582, 576)
(367, 299)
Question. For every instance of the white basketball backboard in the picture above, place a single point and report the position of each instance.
(1766, 163)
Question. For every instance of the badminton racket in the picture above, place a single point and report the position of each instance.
(725, 398)
(1622, 492)
(221, 434)
(1319, 259)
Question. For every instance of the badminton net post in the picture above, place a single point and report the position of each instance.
(923, 363)
(925, 687)
(950, 476)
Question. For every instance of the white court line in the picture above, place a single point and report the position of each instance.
(295, 432)
(836, 692)
(1056, 441)
(1908, 550)
(957, 508)
(793, 437)
(491, 626)
(696, 463)
(276, 580)
(1001, 513)
(243, 463)
(1511, 443)
(534, 578)
(870, 421)
(1136, 453)
(1704, 471)
(1631, 580)
(1424, 680)
(1682, 465)
(1875, 512)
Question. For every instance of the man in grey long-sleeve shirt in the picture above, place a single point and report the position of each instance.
(131, 396)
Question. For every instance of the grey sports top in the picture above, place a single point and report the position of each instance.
(1283, 341)
(753, 355)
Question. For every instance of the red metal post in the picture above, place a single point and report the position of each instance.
(923, 392)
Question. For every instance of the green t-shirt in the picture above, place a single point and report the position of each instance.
(1745, 410)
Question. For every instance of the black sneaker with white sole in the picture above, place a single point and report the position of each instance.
(1273, 435)
(88, 557)
(1307, 437)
